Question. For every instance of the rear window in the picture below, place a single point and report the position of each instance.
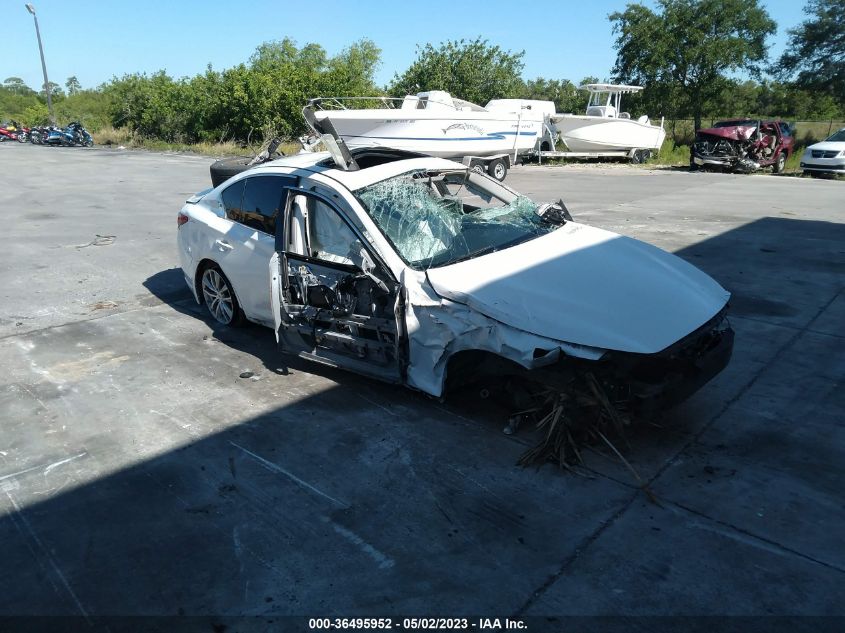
(255, 202)
(261, 203)
(232, 197)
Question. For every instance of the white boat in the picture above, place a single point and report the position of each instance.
(605, 127)
(434, 123)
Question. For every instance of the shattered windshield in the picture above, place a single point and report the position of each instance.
(439, 218)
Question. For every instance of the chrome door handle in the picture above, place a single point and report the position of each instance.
(223, 245)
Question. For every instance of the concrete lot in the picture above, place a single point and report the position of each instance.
(139, 474)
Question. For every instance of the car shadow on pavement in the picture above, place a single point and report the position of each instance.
(778, 269)
(168, 286)
(181, 490)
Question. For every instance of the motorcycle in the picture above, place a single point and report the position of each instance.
(38, 135)
(73, 134)
(13, 132)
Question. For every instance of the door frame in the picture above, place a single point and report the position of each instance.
(288, 317)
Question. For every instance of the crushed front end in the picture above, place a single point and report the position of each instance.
(657, 382)
(742, 146)
(582, 403)
(722, 152)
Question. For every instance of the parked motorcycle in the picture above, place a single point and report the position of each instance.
(13, 132)
(73, 134)
(38, 135)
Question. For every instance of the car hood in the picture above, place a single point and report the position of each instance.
(828, 146)
(586, 286)
(734, 132)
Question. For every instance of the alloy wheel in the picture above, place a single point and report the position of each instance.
(218, 296)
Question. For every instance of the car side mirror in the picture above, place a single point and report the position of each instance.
(556, 213)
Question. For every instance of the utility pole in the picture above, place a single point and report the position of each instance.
(31, 9)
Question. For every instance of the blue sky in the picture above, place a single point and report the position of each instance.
(95, 40)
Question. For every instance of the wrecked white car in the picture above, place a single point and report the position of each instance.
(417, 270)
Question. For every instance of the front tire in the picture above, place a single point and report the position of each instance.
(219, 297)
(780, 163)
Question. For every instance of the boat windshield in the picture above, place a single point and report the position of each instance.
(599, 99)
(460, 104)
(438, 218)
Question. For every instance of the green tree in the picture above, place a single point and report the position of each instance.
(244, 103)
(815, 54)
(473, 70)
(683, 53)
(565, 94)
(352, 71)
(56, 92)
(72, 85)
(17, 86)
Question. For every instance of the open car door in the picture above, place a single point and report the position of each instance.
(332, 302)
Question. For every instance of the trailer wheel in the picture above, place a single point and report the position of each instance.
(640, 156)
(498, 168)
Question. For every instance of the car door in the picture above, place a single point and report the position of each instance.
(787, 136)
(333, 300)
(247, 244)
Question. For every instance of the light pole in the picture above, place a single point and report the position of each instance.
(31, 9)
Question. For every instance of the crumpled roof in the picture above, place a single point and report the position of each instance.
(733, 132)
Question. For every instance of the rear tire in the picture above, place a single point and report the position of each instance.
(498, 168)
(224, 169)
(219, 298)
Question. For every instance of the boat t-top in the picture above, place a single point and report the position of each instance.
(605, 127)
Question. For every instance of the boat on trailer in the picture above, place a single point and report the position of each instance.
(433, 123)
(605, 129)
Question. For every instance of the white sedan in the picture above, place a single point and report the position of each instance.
(417, 270)
(827, 157)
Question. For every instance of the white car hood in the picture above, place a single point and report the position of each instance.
(587, 286)
(828, 146)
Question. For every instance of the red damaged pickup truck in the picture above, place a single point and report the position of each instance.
(743, 145)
